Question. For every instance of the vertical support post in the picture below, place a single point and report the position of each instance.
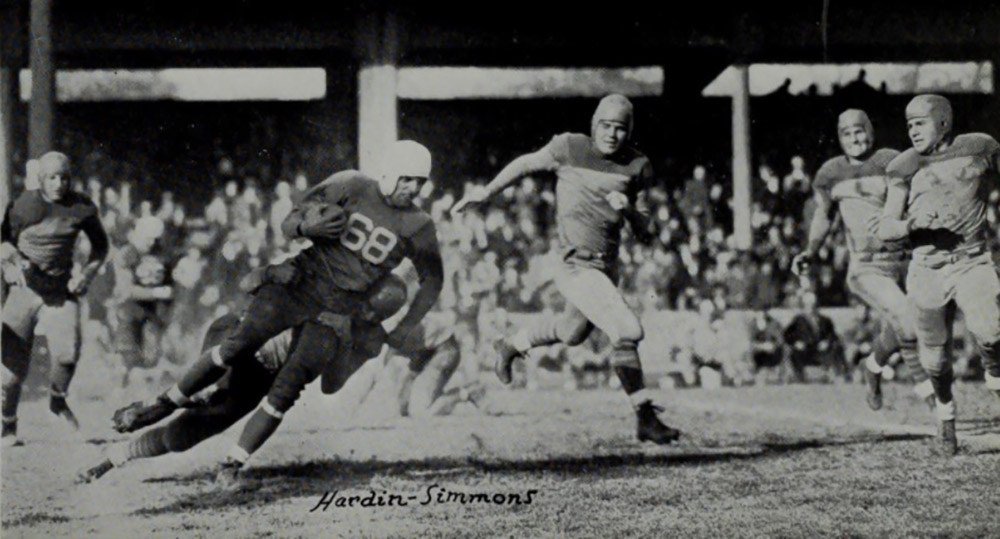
(41, 109)
(741, 159)
(377, 107)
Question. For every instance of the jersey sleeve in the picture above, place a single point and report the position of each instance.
(558, 148)
(426, 253)
(641, 189)
(902, 168)
(823, 182)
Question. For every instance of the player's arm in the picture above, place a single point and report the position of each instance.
(638, 212)
(99, 247)
(12, 262)
(541, 161)
(302, 224)
(126, 288)
(426, 260)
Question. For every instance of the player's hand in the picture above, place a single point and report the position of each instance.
(163, 292)
(801, 263)
(617, 200)
(475, 198)
(922, 220)
(323, 222)
(13, 264)
(78, 285)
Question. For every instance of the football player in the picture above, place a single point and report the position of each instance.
(140, 294)
(601, 184)
(938, 197)
(851, 189)
(360, 229)
(39, 235)
(248, 384)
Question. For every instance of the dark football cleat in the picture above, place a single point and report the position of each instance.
(947, 439)
(94, 473)
(651, 429)
(228, 476)
(506, 354)
(9, 435)
(873, 382)
(58, 406)
(141, 414)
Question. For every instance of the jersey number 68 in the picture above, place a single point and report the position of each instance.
(374, 243)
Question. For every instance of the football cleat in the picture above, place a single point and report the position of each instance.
(9, 436)
(140, 414)
(651, 429)
(58, 406)
(873, 381)
(947, 442)
(506, 354)
(94, 472)
(228, 476)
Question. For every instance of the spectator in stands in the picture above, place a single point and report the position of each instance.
(812, 341)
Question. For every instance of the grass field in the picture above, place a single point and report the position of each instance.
(771, 461)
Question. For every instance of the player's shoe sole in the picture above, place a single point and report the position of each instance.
(506, 354)
(873, 396)
(10, 441)
(94, 472)
(141, 414)
(651, 429)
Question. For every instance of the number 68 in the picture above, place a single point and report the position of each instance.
(374, 243)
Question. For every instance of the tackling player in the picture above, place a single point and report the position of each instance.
(601, 183)
(360, 228)
(39, 234)
(851, 188)
(943, 184)
(248, 383)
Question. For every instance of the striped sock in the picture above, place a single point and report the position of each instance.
(149, 444)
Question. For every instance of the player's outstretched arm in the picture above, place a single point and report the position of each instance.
(540, 161)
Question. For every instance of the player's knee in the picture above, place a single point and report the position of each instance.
(64, 351)
(630, 330)
(984, 330)
(278, 403)
(934, 359)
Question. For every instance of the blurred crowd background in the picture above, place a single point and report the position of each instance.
(217, 201)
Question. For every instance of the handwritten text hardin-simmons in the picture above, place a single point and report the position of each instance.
(435, 494)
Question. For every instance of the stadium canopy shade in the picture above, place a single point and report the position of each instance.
(898, 78)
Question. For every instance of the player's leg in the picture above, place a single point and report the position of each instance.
(934, 313)
(571, 327)
(977, 293)
(594, 293)
(239, 392)
(880, 290)
(128, 344)
(19, 316)
(273, 310)
(426, 395)
(313, 345)
(61, 326)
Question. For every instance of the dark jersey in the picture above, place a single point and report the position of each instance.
(376, 239)
(133, 269)
(584, 178)
(859, 190)
(953, 184)
(46, 233)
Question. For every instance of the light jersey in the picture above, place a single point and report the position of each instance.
(859, 190)
(376, 239)
(584, 178)
(955, 184)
